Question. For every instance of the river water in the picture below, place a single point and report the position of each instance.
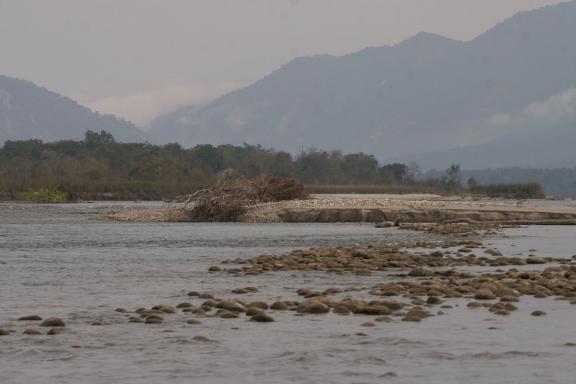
(63, 260)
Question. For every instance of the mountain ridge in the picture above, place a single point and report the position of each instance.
(417, 96)
(29, 111)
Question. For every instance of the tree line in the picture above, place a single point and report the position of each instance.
(98, 167)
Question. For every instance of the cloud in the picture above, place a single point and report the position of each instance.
(547, 114)
(143, 107)
(558, 108)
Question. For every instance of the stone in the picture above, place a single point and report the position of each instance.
(262, 318)
(31, 332)
(53, 322)
(280, 306)
(313, 307)
(30, 318)
(4, 332)
(433, 300)
(164, 308)
(201, 339)
(368, 324)
(258, 304)
(193, 322)
(225, 314)
(535, 260)
(341, 310)
(184, 305)
(484, 294)
(253, 311)
(154, 319)
(54, 331)
(417, 272)
(231, 306)
(538, 313)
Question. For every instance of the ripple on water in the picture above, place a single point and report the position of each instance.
(64, 264)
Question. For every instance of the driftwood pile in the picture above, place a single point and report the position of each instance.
(233, 193)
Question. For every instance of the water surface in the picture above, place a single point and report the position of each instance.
(62, 260)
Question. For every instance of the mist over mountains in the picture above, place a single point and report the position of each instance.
(505, 98)
(427, 95)
(31, 112)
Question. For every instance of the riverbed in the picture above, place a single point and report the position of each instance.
(65, 261)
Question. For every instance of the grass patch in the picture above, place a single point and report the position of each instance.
(44, 195)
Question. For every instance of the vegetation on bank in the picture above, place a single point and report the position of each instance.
(531, 190)
(100, 168)
(44, 195)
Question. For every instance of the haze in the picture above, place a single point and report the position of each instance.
(140, 58)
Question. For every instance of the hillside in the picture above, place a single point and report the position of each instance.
(428, 93)
(28, 111)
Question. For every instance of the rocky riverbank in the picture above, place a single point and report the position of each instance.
(376, 209)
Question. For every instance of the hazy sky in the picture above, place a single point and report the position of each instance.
(139, 58)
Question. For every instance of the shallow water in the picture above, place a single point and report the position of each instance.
(61, 260)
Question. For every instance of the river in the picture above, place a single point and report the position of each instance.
(65, 261)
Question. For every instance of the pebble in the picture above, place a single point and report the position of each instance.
(54, 331)
(31, 332)
(164, 309)
(53, 322)
(538, 313)
(153, 319)
(484, 294)
(30, 318)
(280, 306)
(368, 324)
(262, 318)
(193, 322)
(252, 311)
(202, 339)
(231, 306)
(225, 314)
(258, 304)
(313, 307)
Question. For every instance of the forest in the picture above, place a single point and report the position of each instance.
(100, 168)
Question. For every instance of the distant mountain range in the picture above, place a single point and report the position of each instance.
(454, 101)
(28, 111)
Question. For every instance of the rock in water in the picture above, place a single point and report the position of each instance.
(53, 322)
(31, 332)
(484, 294)
(262, 318)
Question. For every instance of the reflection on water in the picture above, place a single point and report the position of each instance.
(64, 261)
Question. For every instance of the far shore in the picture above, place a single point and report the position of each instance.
(411, 208)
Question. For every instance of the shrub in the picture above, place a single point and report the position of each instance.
(45, 195)
(532, 190)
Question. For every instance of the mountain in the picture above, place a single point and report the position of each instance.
(552, 147)
(428, 93)
(28, 111)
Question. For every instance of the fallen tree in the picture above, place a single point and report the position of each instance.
(233, 193)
